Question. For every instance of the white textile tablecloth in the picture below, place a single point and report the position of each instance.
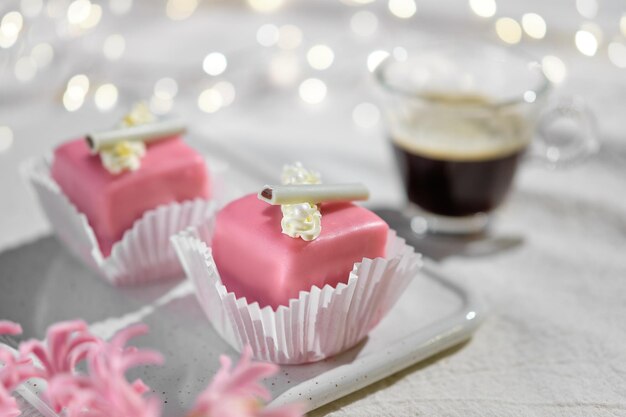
(553, 271)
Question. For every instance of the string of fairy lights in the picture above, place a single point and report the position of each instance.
(78, 17)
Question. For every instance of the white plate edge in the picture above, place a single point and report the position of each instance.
(426, 342)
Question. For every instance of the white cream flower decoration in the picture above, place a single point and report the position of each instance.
(302, 220)
(122, 156)
(298, 174)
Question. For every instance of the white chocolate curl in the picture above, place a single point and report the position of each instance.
(302, 220)
(138, 133)
(297, 174)
(123, 155)
(313, 193)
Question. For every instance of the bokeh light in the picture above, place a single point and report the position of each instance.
(227, 91)
(6, 42)
(95, 14)
(284, 69)
(534, 25)
(366, 115)
(402, 8)
(483, 8)
(42, 54)
(114, 47)
(364, 23)
(25, 69)
(530, 96)
(6, 138)
(375, 58)
(267, 35)
(166, 88)
(290, 37)
(10, 27)
(586, 42)
(357, 2)
(210, 100)
(31, 8)
(622, 24)
(56, 8)
(77, 89)
(553, 68)
(214, 63)
(265, 6)
(312, 91)
(180, 9)
(320, 57)
(120, 6)
(105, 97)
(587, 8)
(160, 106)
(72, 104)
(79, 82)
(508, 30)
(78, 11)
(617, 54)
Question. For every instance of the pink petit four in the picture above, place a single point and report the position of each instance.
(170, 171)
(257, 261)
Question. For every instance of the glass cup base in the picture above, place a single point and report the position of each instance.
(423, 222)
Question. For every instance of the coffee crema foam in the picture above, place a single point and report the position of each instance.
(461, 140)
(453, 129)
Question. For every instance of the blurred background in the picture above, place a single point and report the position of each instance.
(265, 82)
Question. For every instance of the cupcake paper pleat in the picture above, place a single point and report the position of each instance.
(319, 323)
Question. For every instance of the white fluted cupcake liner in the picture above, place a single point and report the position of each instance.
(144, 254)
(320, 323)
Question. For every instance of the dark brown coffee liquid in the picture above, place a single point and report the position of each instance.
(452, 187)
(458, 154)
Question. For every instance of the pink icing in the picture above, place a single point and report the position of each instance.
(257, 261)
(170, 172)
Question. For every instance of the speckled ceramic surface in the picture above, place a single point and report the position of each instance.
(49, 285)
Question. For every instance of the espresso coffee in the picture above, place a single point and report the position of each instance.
(458, 163)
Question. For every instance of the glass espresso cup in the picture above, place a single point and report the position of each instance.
(461, 117)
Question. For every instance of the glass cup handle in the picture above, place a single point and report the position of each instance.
(566, 133)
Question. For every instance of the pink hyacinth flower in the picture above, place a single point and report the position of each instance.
(104, 390)
(8, 405)
(237, 392)
(13, 372)
(67, 343)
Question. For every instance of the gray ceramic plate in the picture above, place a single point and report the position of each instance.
(41, 284)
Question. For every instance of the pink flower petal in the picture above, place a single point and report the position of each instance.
(8, 327)
(37, 349)
(236, 392)
(104, 390)
(8, 405)
(67, 343)
(13, 372)
(122, 337)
